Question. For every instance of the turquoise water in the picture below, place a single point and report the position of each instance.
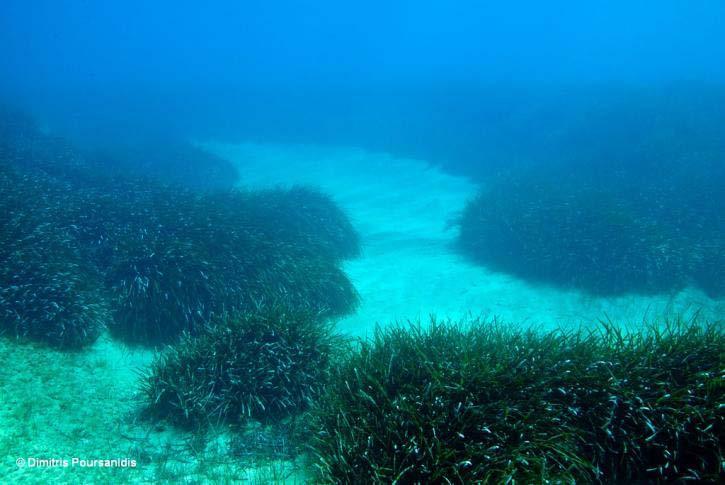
(166, 168)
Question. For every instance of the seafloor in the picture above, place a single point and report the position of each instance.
(59, 405)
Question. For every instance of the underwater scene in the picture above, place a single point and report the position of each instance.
(380, 242)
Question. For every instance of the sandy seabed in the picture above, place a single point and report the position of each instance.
(409, 269)
(56, 405)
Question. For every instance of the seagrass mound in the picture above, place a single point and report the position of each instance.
(193, 256)
(263, 365)
(608, 240)
(165, 259)
(482, 402)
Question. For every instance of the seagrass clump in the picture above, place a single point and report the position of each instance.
(483, 402)
(604, 230)
(575, 235)
(263, 365)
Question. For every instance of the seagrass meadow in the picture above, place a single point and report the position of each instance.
(167, 257)
(204, 331)
(362, 243)
(93, 257)
(481, 402)
(601, 233)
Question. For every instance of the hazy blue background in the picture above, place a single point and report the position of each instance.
(439, 80)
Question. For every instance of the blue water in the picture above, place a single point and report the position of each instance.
(590, 134)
